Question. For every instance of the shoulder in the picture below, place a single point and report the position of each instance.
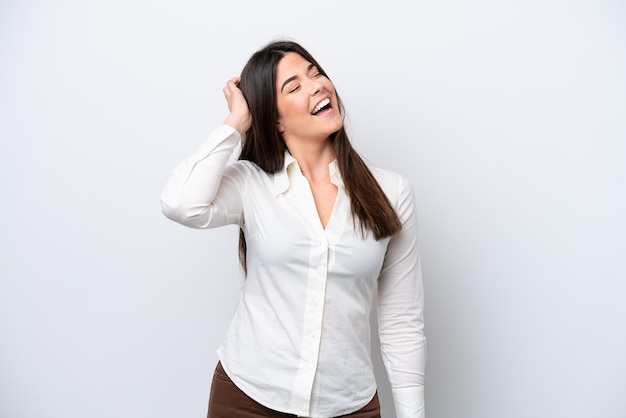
(243, 167)
(393, 184)
(243, 174)
(400, 193)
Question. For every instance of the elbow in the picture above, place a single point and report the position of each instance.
(172, 211)
(176, 212)
(187, 215)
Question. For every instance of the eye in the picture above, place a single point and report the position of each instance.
(294, 88)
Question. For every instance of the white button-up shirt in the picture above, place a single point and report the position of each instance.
(300, 339)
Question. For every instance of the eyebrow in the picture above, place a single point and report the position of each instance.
(294, 77)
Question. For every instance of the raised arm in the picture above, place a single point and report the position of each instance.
(201, 192)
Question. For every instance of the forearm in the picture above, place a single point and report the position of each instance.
(403, 345)
(405, 363)
(193, 185)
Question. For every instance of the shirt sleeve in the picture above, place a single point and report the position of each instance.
(203, 191)
(401, 313)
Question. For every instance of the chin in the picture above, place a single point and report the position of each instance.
(339, 125)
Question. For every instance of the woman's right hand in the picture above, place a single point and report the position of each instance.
(239, 117)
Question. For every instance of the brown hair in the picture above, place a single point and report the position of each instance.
(264, 145)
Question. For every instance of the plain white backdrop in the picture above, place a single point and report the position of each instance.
(509, 118)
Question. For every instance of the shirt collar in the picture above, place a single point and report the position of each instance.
(281, 178)
(335, 175)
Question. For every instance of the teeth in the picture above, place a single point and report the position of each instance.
(321, 105)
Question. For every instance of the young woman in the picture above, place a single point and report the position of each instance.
(323, 237)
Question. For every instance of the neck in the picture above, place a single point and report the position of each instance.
(313, 158)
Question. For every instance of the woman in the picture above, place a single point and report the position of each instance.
(321, 235)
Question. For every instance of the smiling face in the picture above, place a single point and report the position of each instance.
(306, 101)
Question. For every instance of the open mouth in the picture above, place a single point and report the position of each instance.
(323, 105)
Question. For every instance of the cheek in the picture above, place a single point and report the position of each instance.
(329, 86)
(293, 108)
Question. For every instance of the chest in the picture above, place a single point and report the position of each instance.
(297, 230)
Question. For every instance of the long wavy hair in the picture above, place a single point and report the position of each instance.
(263, 144)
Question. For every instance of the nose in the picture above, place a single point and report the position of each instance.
(316, 87)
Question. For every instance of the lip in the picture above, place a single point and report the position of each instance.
(320, 101)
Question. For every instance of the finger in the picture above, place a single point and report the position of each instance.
(233, 81)
(232, 84)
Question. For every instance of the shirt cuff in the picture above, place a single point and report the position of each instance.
(409, 402)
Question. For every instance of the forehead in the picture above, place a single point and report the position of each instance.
(289, 65)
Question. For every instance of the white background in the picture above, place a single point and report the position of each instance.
(509, 118)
